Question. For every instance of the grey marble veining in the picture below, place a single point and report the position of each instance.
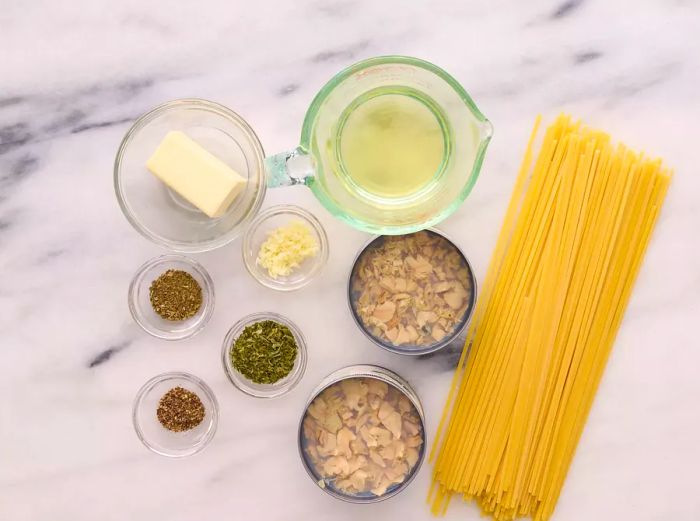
(73, 78)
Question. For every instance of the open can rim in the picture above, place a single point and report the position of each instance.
(364, 371)
(432, 347)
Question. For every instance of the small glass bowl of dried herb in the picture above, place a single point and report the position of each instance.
(175, 414)
(171, 297)
(264, 355)
(285, 247)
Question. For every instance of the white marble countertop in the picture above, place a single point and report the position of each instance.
(71, 359)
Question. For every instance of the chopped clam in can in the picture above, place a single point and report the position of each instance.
(362, 435)
(412, 294)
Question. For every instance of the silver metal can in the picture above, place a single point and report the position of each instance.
(364, 371)
(449, 339)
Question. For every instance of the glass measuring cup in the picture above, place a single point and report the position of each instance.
(429, 107)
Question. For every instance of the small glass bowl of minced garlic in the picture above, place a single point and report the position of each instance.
(171, 297)
(285, 247)
(175, 414)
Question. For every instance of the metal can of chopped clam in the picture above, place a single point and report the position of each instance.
(426, 302)
(356, 460)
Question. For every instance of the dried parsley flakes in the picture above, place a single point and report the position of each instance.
(264, 352)
(180, 410)
(175, 295)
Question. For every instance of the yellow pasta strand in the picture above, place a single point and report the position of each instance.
(572, 241)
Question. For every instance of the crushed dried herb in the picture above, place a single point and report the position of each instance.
(264, 352)
(180, 410)
(411, 290)
(175, 295)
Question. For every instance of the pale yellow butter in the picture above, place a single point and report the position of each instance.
(194, 173)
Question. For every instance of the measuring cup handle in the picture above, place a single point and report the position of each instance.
(294, 167)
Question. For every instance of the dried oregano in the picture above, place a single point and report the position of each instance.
(176, 295)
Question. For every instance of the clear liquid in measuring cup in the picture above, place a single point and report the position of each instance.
(392, 143)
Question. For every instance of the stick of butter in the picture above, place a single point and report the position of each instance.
(194, 173)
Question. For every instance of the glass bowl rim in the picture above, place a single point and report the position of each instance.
(207, 290)
(272, 390)
(197, 382)
(146, 118)
(306, 216)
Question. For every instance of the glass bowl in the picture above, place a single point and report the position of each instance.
(159, 213)
(140, 303)
(159, 439)
(256, 234)
(278, 388)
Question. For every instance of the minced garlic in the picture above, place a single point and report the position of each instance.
(286, 248)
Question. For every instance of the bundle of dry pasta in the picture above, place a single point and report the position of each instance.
(572, 242)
